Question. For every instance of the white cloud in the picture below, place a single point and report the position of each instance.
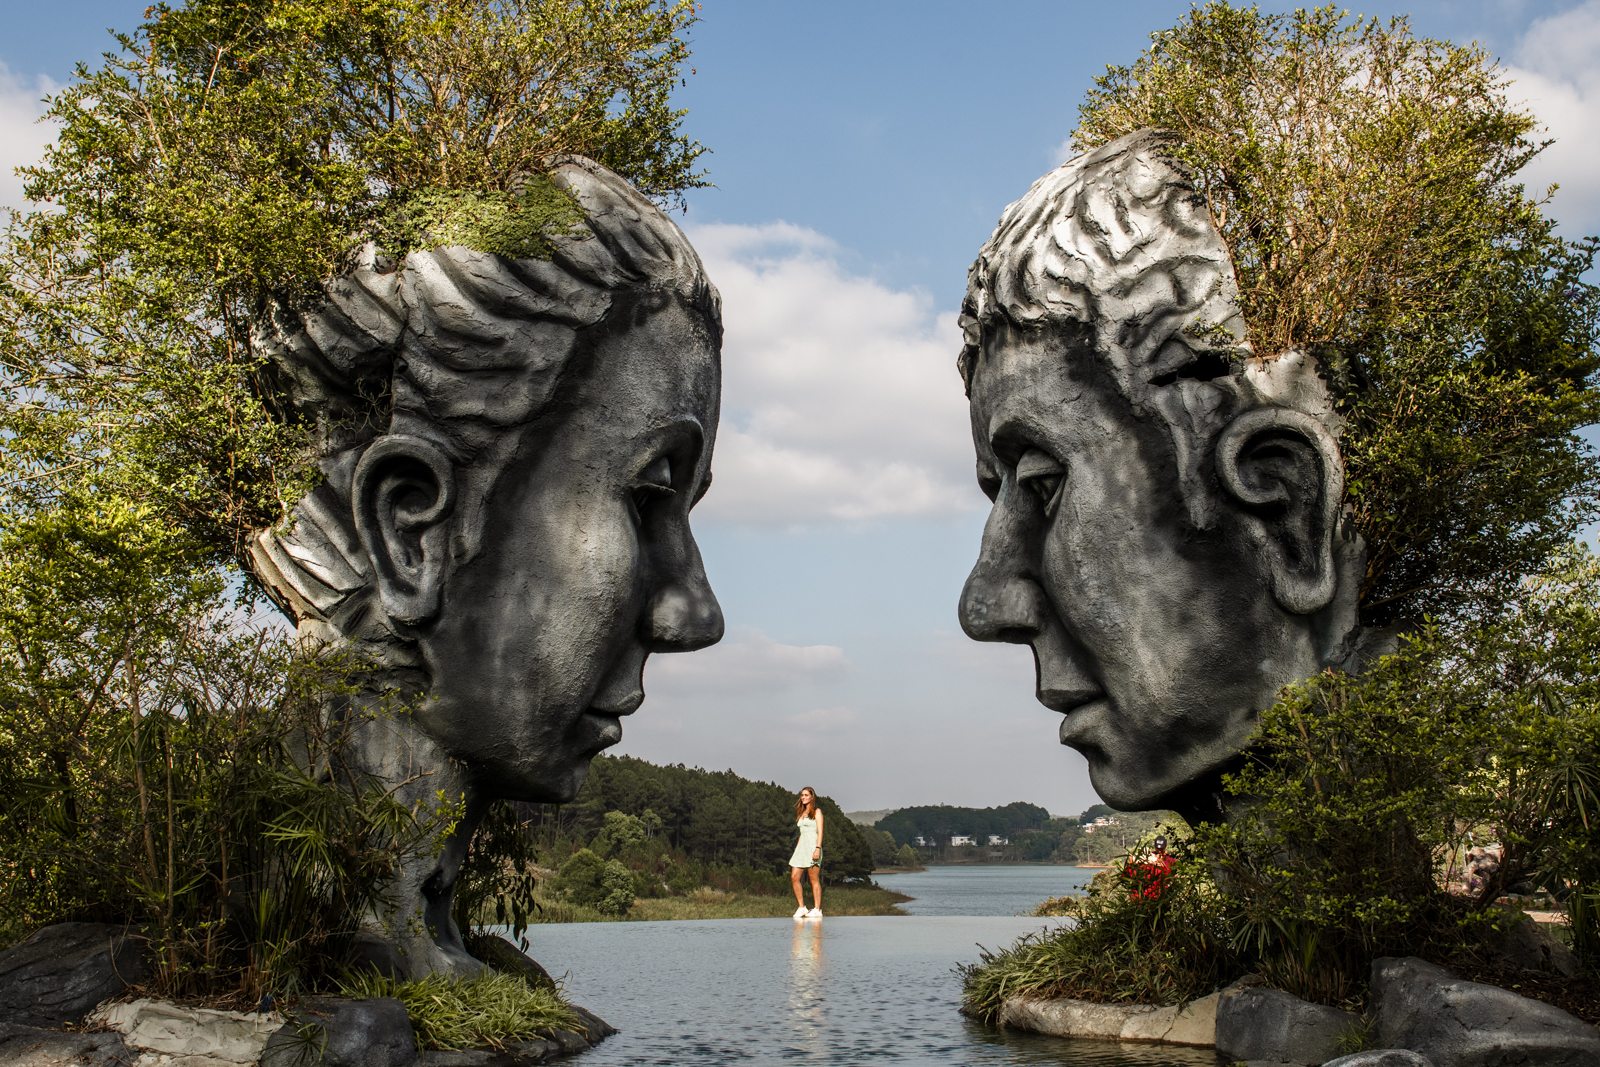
(22, 136)
(840, 395)
(1556, 73)
(749, 663)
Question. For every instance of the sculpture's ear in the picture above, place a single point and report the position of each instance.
(1282, 468)
(403, 491)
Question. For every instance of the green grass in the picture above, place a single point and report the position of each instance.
(489, 1009)
(713, 905)
(1123, 948)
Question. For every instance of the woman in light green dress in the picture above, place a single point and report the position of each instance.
(807, 854)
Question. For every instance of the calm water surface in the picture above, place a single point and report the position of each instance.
(983, 890)
(845, 991)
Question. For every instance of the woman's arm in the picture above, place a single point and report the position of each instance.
(819, 829)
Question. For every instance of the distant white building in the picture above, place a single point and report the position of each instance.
(962, 839)
(996, 839)
(1101, 820)
(922, 842)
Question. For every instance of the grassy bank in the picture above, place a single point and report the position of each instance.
(712, 904)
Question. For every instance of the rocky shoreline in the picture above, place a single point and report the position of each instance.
(61, 1003)
(1418, 1015)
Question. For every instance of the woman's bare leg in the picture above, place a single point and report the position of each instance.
(799, 894)
(816, 887)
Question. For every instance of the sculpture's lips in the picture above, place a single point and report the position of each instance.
(626, 706)
(597, 730)
(1066, 701)
(1078, 721)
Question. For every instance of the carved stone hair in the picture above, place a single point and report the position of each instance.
(1117, 249)
(461, 348)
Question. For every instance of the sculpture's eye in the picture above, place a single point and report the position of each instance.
(1043, 477)
(654, 485)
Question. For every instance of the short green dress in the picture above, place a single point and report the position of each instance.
(808, 843)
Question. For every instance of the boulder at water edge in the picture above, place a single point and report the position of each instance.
(336, 1032)
(1256, 1023)
(58, 974)
(1455, 1023)
(1381, 1057)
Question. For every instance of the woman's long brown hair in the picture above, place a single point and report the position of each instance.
(800, 805)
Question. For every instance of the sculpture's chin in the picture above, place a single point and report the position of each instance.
(1196, 792)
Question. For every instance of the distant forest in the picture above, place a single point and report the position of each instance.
(1020, 832)
(714, 817)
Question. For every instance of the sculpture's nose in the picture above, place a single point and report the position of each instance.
(999, 602)
(998, 607)
(684, 615)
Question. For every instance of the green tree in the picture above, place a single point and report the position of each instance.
(1364, 181)
(238, 148)
(594, 882)
(163, 764)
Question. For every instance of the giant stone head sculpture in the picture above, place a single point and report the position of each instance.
(511, 448)
(1167, 531)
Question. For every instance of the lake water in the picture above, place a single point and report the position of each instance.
(841, 991)
(983, 890)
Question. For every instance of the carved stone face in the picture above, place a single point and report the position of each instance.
(1158, 643)
(1166, 531)
(587, 564)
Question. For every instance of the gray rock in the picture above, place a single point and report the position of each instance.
(595, 1028)
(1255, 1023)
(58, 974)
(1382, 1057)
(1528, 945)
(28, 1046)
(515, 1054)
(1420, 1006)
(334, 1032)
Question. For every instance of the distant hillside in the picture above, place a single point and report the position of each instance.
(867, 818)
(940, 823)
(1014, 833)
(714, 816)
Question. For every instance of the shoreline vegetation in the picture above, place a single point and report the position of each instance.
(1016, 834)
(717, 904)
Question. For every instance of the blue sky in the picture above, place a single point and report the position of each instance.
(861, 153)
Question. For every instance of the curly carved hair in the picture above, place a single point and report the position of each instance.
(457, 346)
(1117, 249)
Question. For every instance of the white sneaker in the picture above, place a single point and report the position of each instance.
(814, 913)
(800, 912)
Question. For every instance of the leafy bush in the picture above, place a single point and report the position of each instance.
(1127, 944)
(1361, 792)
(592, 882)
(488, 1009)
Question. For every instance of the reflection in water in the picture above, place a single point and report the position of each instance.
(805, 987)
(724, 993)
